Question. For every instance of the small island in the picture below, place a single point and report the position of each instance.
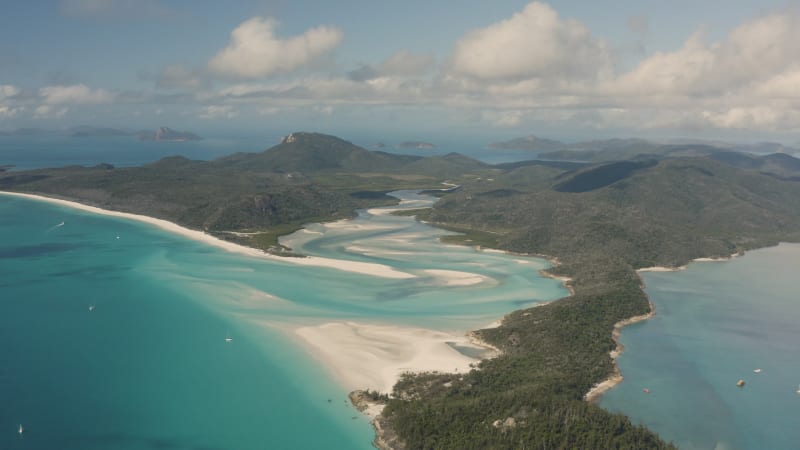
(166, 134)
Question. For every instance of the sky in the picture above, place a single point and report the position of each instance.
(565, 69)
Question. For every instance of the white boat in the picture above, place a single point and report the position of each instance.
(228, 338)
(21, 430)
(757, 370)
(798, 388)
(91, 308)
(60, 225)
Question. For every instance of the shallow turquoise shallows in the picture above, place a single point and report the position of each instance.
(149, 368)
(717, 323)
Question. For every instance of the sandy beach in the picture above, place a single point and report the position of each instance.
(377, 270)
(616, 377)
(369, 356)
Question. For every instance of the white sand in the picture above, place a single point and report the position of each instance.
(661, 269)
(456, 278)
(378, 270)
(366, 356)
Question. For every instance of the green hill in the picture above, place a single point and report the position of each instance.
(314, 152)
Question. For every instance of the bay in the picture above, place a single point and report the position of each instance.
(716, 323)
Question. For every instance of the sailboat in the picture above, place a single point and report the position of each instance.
(21, 430)
(91, 308)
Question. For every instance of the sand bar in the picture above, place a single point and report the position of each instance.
(377, 270)
(369, 356)
(457, 278)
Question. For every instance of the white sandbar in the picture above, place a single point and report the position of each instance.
(368, 356)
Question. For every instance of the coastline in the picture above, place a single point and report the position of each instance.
(616, 377)
(372, 269)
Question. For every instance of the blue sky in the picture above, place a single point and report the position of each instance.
(564, 68)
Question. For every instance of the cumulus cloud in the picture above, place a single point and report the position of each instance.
(7, 90)
(752, 53)
(129, 9)
(75, 94)
(49, 112)
(533, 43)
(535, 68)
(7, 105)
(7, 112)
(254, 50)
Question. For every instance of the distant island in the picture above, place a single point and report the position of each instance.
(162, 134)
(415, 144)
(166, 134)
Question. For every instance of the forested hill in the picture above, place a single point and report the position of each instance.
(313, 152)
(602, 222)
(307, 177)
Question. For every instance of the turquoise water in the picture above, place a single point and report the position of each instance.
(716, 323)
(149, 367)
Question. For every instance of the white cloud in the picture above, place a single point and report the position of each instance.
(75, 94)
(753, 52)
(218, 112)
(7, 90)
(7, 105)
(254, 50)
(7, 112)
(759, 118)
(49, 112)
(533, 43)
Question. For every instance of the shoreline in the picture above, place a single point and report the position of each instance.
(372, 269)
(616, 376)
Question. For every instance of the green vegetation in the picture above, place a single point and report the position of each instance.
(601, 221)
(633, 216)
